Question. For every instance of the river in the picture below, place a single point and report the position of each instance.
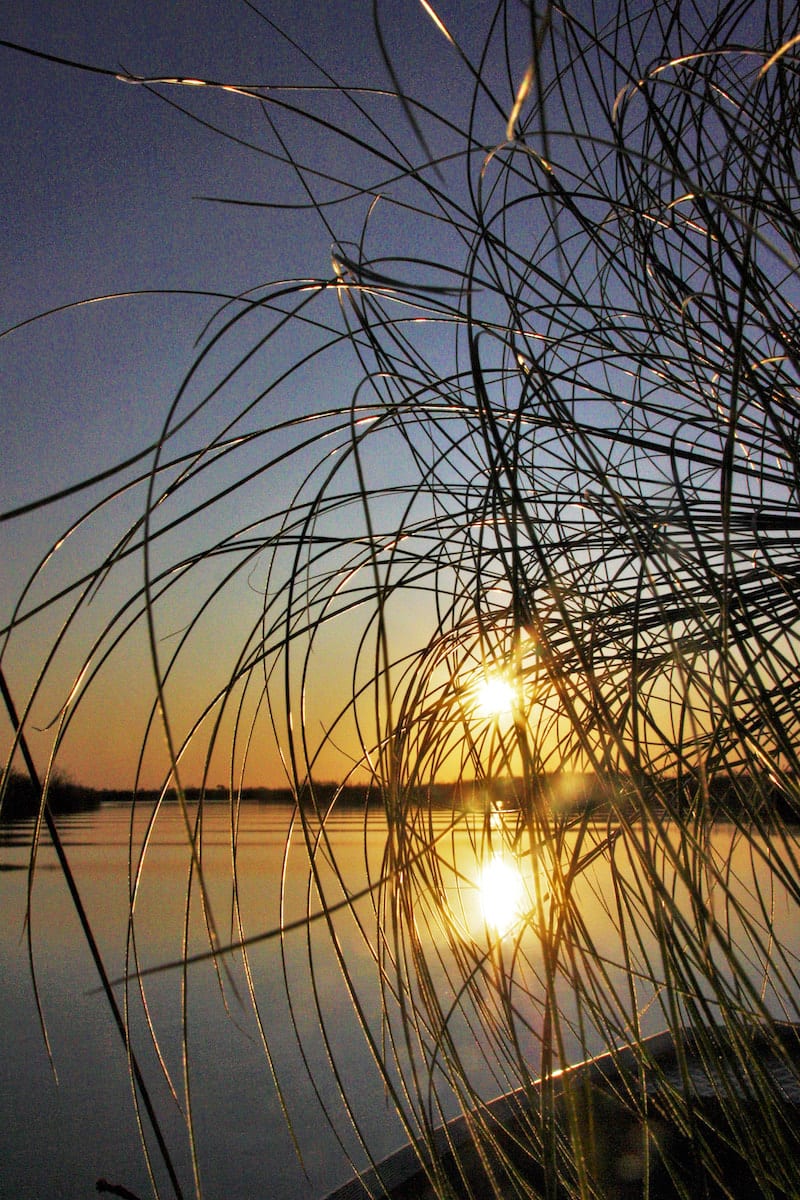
(220, 1036)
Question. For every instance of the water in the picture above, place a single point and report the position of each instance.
(58, 1138)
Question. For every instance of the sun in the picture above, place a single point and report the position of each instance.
(494, 697)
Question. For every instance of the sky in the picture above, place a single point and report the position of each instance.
(154, 240)
(101, 189)
(99, 193)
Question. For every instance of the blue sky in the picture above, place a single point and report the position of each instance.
(102, 190)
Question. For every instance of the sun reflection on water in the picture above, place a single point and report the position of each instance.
(502, 894)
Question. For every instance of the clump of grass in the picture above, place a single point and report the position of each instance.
(568, 456)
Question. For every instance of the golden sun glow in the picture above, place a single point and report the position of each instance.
(494, 698)
(502, 894)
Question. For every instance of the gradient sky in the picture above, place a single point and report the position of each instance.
(108, 187)
(99, 190)
(99, 185)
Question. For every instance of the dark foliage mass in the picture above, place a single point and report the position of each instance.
(22, 799)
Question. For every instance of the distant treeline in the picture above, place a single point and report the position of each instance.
(22, 798)
(725, 796)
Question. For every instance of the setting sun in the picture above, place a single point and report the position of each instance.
(495, 697)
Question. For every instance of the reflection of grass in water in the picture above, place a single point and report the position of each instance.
(570, 454)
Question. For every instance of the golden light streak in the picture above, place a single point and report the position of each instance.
(437, 21)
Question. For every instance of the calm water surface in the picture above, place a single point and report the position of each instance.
(67, 1123)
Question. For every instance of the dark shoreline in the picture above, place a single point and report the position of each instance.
(729, 797)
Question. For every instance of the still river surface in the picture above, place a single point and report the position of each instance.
(69, 1120)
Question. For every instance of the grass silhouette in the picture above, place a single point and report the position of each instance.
(568, 457)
